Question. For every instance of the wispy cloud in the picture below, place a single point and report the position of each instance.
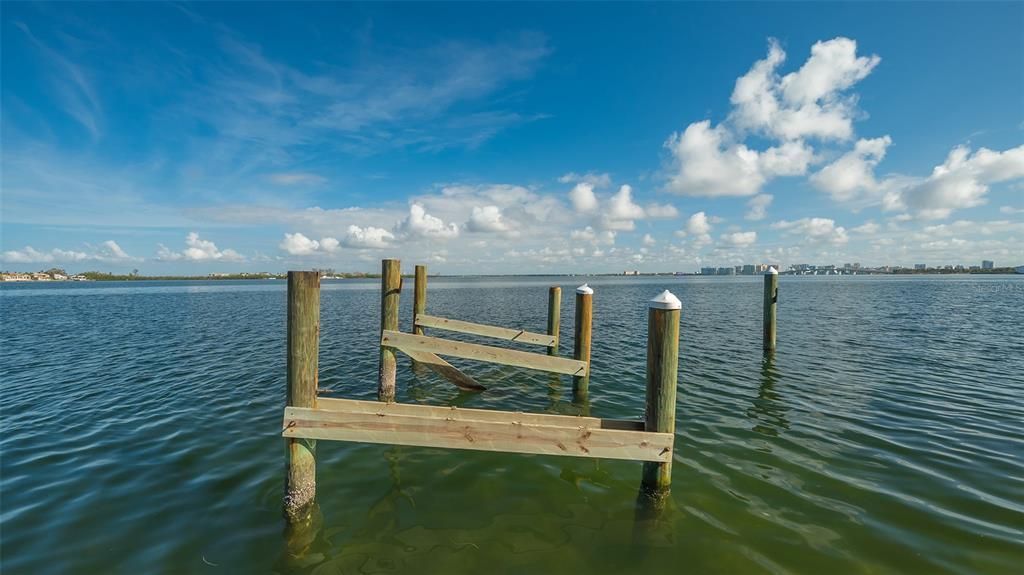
(71, 84)
(296, 179)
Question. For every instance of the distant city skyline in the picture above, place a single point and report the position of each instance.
(507, 138)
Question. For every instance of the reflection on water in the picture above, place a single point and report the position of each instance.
(768, 411)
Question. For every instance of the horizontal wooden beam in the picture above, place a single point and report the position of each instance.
(444, 369)
(421, 427)
(405, 342)
(467, 414)
(509, 334)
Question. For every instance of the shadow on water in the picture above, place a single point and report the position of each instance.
(768, 410)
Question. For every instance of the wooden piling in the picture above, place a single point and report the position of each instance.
(581, 343)
(771, 300)
(554, 316)
(662, 368)
(419, 298)
(303, 349)
(390, 289)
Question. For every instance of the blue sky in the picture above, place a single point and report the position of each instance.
(479, 138)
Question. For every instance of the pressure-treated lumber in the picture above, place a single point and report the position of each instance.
(405, 341)
(303, 348)
(581, 342)
(390, 290)
(467, 414)
(444, 369)
(771, 300)
(516, 335)
(513, 436)
(662, 374)
(554, 316)
(419, 297)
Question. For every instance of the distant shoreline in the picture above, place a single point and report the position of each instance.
(91, 277)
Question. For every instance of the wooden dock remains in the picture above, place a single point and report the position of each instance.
(308, 418)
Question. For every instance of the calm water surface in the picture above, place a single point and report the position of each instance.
(141, 433)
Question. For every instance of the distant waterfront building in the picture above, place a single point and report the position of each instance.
(748, 269)
(708, 271)
(920, 266)
(987, 264)
(631, 273)
(730, 271)
(1019, 269)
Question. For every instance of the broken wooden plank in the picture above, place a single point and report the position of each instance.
(512, 436)
(444, 369)
(467, 414)
(405, 341)
(509, 334)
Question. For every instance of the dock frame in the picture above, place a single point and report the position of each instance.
(308, 417)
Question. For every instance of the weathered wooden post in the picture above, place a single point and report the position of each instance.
(771, 299)
(303, 348)
(662, 369)
(554, 316)
(419, 298)
(581, 345)
(390, 289)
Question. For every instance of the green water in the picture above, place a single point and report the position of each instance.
(141, 433)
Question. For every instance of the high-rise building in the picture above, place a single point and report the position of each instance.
(920, 266)
(987, 264)
(748, 269)
(708, 271)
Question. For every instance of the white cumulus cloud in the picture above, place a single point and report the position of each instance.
(364, 237)
(854, 172)
(739, 239)
(814, 229)
(197, 250)
(420, 224)
(621, 210)
(487, 219)
(299, 245)
(583, 198)
(807, 103)
(962, 181)
(707, 161)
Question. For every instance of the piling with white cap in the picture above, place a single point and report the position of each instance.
(662, 373)
(581, 344)
(771, 300)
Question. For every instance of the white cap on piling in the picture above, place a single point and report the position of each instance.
(665, 300)
(772, 271)
(585, 290)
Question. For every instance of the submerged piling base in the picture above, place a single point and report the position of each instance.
(300, 489)
(653, 519)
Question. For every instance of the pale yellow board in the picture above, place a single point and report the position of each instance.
(405, 341)
(503, 436)
(444, 369)
(516, 335)
(466, 414)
